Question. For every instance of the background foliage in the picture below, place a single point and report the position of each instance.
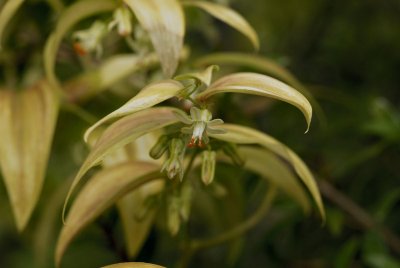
(345, 52)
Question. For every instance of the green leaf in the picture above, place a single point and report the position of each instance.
(165, 23)
(101, 191)
(73, 14)
(268, 165)
(27, 120)
(266, 66)
(244, 135)
(133, 265)
(122, 132)
(230, 17)
(261, 85)
(147, 97)
(7, 13)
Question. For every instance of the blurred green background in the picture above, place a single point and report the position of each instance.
(347, 53)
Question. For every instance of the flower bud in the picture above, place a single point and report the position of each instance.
(174, 164)
(208, 166)
(122, 20)
(173, 217)
(160, 147)
(89, 40)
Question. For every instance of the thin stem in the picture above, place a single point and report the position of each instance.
(190, 164)
(80, 112)
(236, 231)
(241, 228)
(365, 220)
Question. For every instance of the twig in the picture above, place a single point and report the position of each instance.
(236, 231)
(359, 214)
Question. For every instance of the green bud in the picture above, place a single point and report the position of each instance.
(186, 201)
(160, 147)
(173, 217)
(174, 164)
(208, 166)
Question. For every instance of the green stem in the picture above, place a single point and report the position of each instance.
(241, 228)
(236, 231)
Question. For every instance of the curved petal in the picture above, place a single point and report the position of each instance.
(245, 135)
(229, 16)
(204, 76)
(165, 23)
(262, 85)
(268, 165)
(121, 133)
(7, 13)
(147, 97)
(99, 193)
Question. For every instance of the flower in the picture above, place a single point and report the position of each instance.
(122, 20)
(89, 40)
(201, 126)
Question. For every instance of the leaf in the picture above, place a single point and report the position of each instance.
(7, 13)
(244, 135)
(101, 191)
(272, 168)
(27, 121)
(122, 132)
(204, 77)
(165, 23)
(147, 97)
(133, 265)
(229, 16)
(73, 14)
(262, 65)
(262, 85)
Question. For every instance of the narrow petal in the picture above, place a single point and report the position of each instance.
(99, 193)
(7, 13)
(245, 135)
(261, 85)
(229, 16)
(165, 23)
(149, 96)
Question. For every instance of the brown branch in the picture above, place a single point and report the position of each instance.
(360, 215)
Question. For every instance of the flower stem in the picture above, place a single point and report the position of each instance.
(198, 244)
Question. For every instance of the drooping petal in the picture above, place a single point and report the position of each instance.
(262, 65)
(99, 193)
(201, 77)
(261, 85)
(27, 121)
(7, 13)
(245, 135)
(147, 97)
(122, 132)
(165, 23)
(137, 216)
(229, 16)
(268, 165)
